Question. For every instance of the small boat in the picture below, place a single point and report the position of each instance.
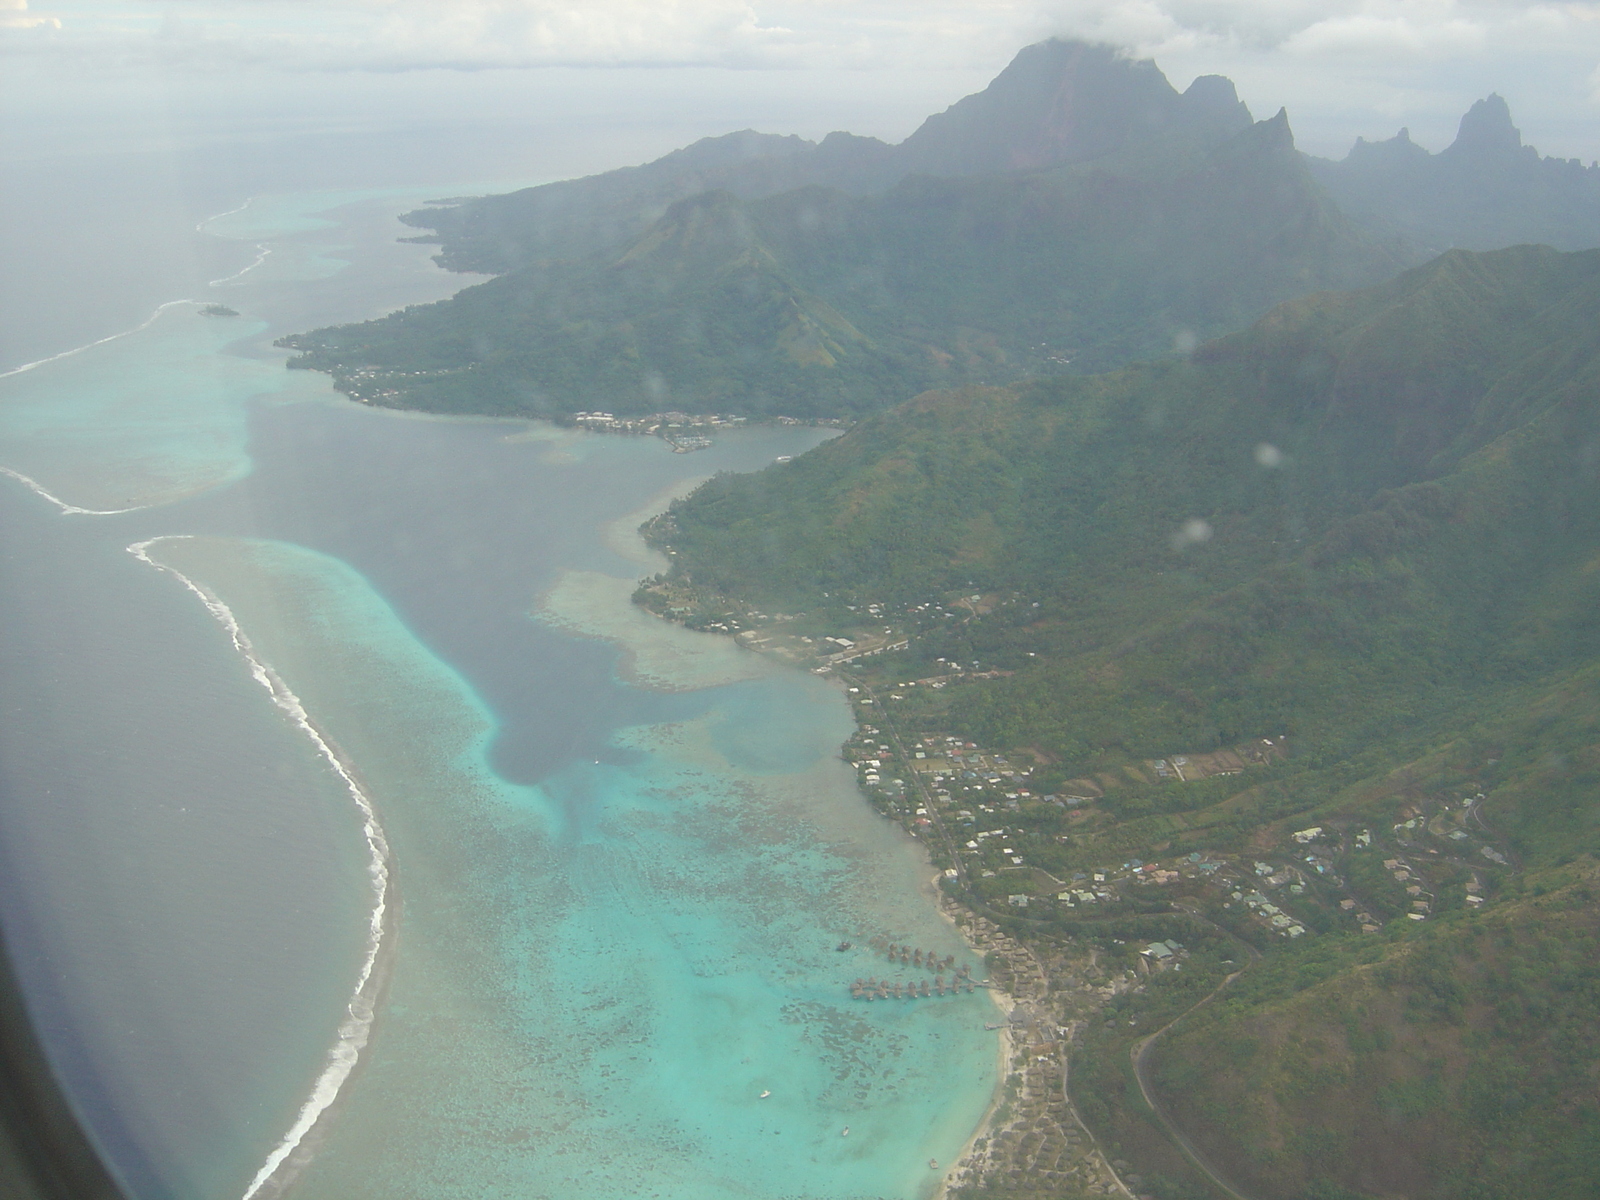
(933, 1164)
(1001, 1026)
(845, 1132)
(764, 1095)
(842, 946)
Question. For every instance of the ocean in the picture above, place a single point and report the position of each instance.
(361, 839)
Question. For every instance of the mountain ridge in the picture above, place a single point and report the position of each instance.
(1026, 118)
(1366, 529)
(1135, 244)
(1487, 189)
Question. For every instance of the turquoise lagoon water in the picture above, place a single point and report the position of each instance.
(615, 857)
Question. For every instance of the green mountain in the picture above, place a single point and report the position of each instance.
(1402, 427)
(578, 217)
(1077, 214)
(1058, 102)
(1484, 191)
(1367, 528)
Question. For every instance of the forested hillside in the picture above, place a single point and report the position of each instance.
(1275, 531)
(1058, 102)
(1078, 214)
(1366, 529)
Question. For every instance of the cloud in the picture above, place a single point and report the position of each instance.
(1367, 65)
(468, 34)
(397, 35)
(14, 14)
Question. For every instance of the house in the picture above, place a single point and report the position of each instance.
(1157, 951)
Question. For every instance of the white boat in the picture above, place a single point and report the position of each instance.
(764, 1095)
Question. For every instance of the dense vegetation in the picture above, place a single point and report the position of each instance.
(1366, 528)
(1141, 220)
(1462, 1063)
(1356, 517)
(1370, 522)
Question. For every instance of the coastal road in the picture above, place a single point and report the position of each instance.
(893, 733)
(1066, 1095)
(1139, 1054)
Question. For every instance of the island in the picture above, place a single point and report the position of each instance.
(1248, 708)
(1209, 562)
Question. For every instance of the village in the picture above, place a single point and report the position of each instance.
(1092, 928)
(1004, 840)
(683, 432)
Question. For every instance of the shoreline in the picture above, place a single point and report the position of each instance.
(623, 537)
(1005, 1051)
(293, 1150)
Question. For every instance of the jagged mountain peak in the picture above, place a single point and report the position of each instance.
(1399, 148)
(1060, 102)
(1487, 128)
(1215, 96)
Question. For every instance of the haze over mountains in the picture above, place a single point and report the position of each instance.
(1369, 523)
(1077, 214)
(1350, 496)
(1483, 191)
(1057, 103)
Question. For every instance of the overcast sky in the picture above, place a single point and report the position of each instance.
(1341, 67)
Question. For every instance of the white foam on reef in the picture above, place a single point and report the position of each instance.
(70, 509)
(201, 228)
(262, 251)
(262, 248)
(356, 1027)
(139, 328)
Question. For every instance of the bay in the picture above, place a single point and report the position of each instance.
(620, 854)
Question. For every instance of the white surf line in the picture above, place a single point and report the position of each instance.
(201, 228)
(149, 321)
(69, 509)
(357, 1025)
(262, 249)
